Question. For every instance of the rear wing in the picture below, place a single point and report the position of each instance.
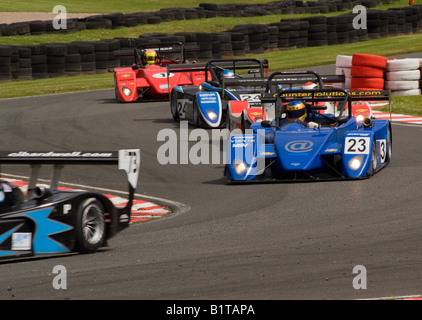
(127, 160)
(261, 66)
(301, 77)
(161, 48)
(185, 67)
(327, 95)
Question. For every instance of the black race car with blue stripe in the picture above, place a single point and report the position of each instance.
(227, 82)
(47, 221)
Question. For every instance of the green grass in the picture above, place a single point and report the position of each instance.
(56, 85)
(410, 105)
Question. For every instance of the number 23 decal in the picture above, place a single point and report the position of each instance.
(357, 145)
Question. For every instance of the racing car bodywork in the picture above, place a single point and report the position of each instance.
(52, 222)
(208, 104)
(340, 146)
(150, 82)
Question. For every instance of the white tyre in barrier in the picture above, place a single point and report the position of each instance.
(344, 61)
(403, 64)
(412, 92)
(348, 83)
(401, 85)
(403, 75)
(340, 71)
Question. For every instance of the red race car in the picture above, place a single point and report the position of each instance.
(147, 78)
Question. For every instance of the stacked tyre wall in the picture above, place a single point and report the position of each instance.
(55, 60)
(204, 10)
(371, 72)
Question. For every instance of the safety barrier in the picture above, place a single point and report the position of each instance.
(55, 60)
(203, 11)
(367, 72)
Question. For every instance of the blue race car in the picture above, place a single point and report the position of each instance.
(52, 222)
(310, 141)
(228, 80)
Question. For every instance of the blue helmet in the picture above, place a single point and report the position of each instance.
(228, 74)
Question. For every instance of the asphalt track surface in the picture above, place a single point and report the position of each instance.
(255, 241)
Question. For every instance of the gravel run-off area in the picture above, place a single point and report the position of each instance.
(12, 17)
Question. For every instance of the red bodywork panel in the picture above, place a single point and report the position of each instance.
(151, 82)
(361, 109)
(237, 108)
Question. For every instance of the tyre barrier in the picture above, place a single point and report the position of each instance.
(363, 71)
(343, 68)
(203, 11)
(90, 57)
(403, 77)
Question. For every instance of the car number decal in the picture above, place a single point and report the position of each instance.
(162, 75)
(250, 97)
(357, 145)
(383, 149)
(181, 108)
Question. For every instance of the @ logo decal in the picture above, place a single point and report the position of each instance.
(299, 146)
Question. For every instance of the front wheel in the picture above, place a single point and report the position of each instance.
(90, 226)
(196, 114)
(374, 161)
(116, 92)
(389, 145)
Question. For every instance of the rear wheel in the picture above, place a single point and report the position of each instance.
(90, 226)
(173, 106)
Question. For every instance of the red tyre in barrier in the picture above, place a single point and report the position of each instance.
(369, 60)
(366, 72)
(370, 83)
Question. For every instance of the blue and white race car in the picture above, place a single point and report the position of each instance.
(306, 141)
(54, 222)
(226, 82)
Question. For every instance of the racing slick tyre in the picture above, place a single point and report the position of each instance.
(369, 60)
(245, 124)
(228, 124)
(173, 106)
(116, 92)
(90, 226)
(389, 146)
(373, 165)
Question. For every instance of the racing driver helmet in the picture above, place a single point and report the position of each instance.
(228, 74)
(150, 56)
(295, 110)
(309, 86)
